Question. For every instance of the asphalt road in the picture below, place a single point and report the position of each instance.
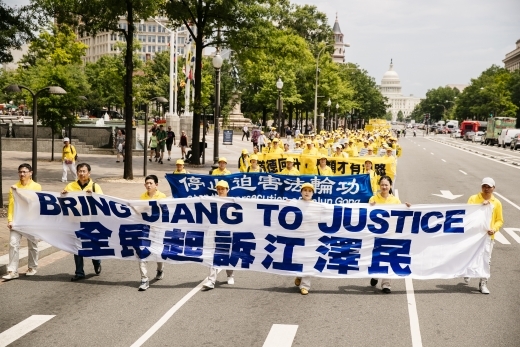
(107, 310)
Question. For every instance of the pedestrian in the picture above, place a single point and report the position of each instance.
(183, 144)
(243, 161)
(151, 183)
(221, 169)
(289, 168)
(261, 140)
(170, 139)
(486, 197)
(254, 137)
(180, 167)
(323, 169)
(25, 182)
(161, 142)
(222, 192)
(68, 158)
(245, 132)
(120, 145)
(384, 196)
(153, 145)
(304, 283)
(83, 184)
(254, 167)
(288, 133)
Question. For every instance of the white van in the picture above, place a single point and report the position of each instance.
(505, 137)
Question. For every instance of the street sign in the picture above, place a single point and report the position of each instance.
(227, 139)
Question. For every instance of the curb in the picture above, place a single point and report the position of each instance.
(44, 249)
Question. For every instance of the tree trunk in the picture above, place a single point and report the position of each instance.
(291, 110)
(52, 143)
(129, 110)
(195, 137)
(306, 122)
(264, 118)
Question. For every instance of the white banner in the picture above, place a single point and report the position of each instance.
(290, 237)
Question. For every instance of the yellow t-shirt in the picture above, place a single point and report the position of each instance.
(327, 171)
(157, 196)
(497, 219)
(390, 200)
(183, 171)
(242, 163)
(31, 185)
(68, 153)
(312, 151)
(75, 187)
(293, 172)
(276, 150)
(218, 172)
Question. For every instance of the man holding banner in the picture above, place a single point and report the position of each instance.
(25, 174)
(152, 193)
(222, 192)
(85, 184)
(304, 283)
(486, 197)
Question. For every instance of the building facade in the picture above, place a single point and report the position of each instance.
(152, 37)
(512, 60)
(391, 88)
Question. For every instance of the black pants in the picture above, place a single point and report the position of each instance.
(246, 134)
(79, 264)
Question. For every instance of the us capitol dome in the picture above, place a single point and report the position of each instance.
(391, 88)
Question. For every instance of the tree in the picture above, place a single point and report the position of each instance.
(400, 116)
(437, 103)
(16, 27)
(206, 20)
(104, 15)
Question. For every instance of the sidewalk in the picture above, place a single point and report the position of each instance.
(108, 174)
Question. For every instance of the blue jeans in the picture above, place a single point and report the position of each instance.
(79, 264)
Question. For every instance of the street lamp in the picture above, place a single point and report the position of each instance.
(316, 86)
(17, 88)
(279, 85)
(145, 144)
(325, 127)
(217, 64)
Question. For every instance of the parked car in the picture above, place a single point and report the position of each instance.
(515, 142)
(478, 136)
(468, 135)
(456, 134)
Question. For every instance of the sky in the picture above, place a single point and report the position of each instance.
(432, 43)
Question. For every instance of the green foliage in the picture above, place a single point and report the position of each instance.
(400, 116)
(438, 103)
(16, 27)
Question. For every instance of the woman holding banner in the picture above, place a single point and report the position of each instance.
(385, 196)
(305, 282)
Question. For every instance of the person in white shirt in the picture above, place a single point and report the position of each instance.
(245, 131)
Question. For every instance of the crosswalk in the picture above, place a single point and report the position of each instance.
(14, 333)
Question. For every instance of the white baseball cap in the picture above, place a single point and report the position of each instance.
(66, 139)
(489, 181)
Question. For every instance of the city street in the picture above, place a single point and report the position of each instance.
(267, 310)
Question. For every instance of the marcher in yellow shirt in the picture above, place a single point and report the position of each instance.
(323, 169)
(304, 283)
(221, 170)
(84, 183)
(254, 167)
(289, 168)
(384, 196)
(151, 183)
(339, 153)
(372, 174)
(243, 161)
(180, 167)
(310, 150)
(486, 197)
(275, 148)
(25, 182)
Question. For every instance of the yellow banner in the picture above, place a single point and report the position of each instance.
(307, 165)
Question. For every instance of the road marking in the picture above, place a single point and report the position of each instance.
(431, 153)
(509, 201)
(463, 172)
(447, 195)
(512, 233)
(281, 335)
(168, 315)
(14, 333)
(415, 329)
(502, 239)
(424, 148)
(443, 160)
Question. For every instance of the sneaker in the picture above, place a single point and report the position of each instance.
(31, 272)
(208, 285)
(160, 162)
(64, 181)
(230, 280)
(159, 275)
(304, 291)
(11, 276)
(387, 290)
(482, 286)
(466, 279)
(156, 159)
(150, 159)
(144, 286)
(297, 281)
(169, 159)
(373, 282)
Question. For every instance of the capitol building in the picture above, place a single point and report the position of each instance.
(391, 88)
